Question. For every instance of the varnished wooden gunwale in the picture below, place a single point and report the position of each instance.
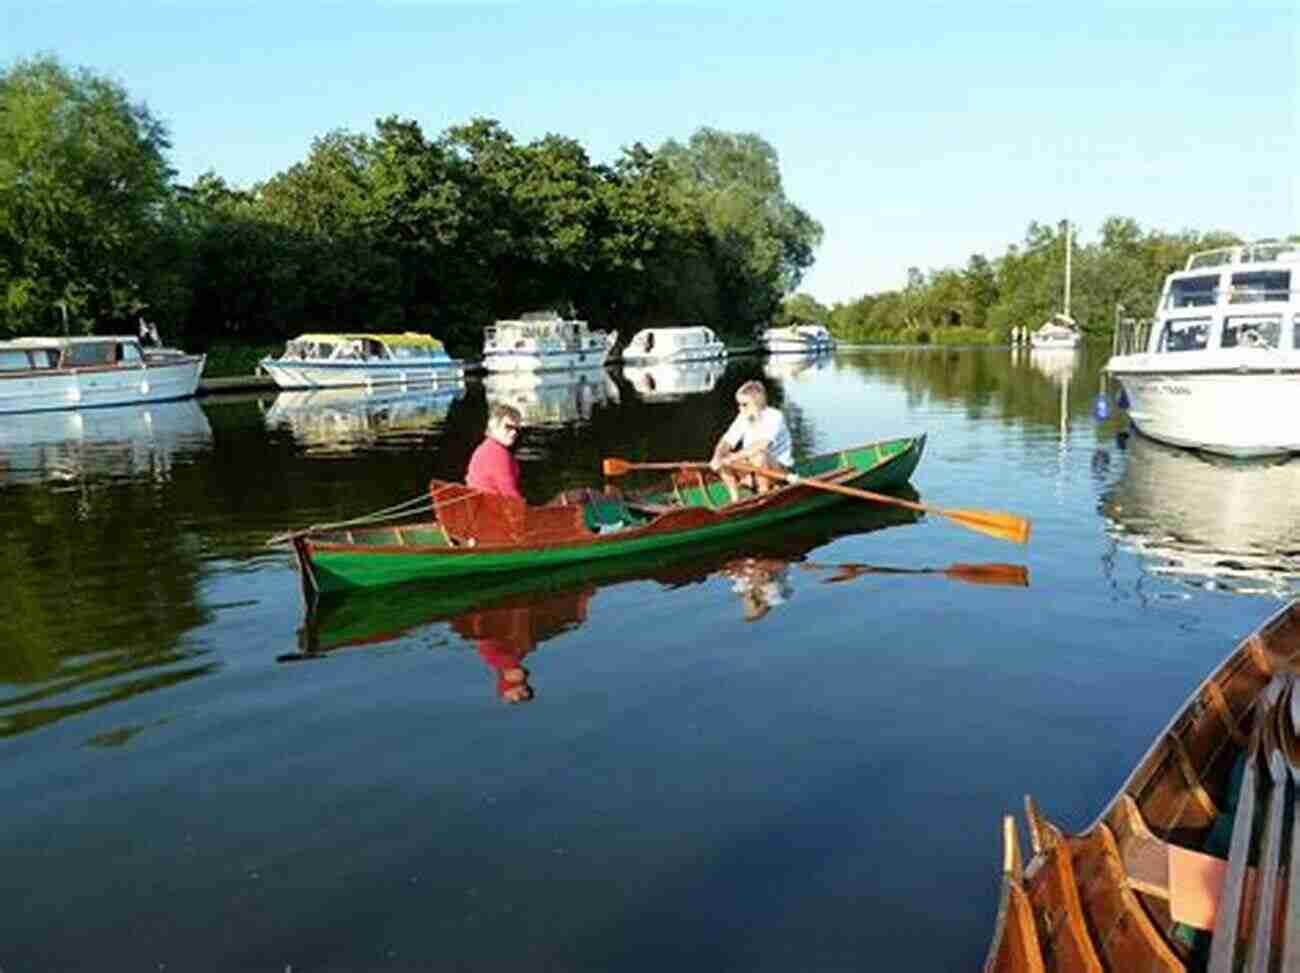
(1119, 866)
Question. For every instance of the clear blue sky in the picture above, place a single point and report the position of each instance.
(917, 133)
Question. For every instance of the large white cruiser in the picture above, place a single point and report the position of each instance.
(40, 374)
(544, 341)
(312, 361)
(1220, 368)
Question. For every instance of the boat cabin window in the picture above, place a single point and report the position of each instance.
(1187, 334)
(129, 354)
(14, 361)
(410, 351)
(1261, 285)
(44, 357)
(1254, 331)
(1192, 292)
(324, 349)
(89, 353)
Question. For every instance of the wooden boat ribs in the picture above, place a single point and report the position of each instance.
(1195, 863)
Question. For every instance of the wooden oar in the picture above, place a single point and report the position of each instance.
(1015, 575)
(1007, 527)
(617, 467)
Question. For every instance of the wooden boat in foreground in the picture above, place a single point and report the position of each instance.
(476, 534)
(1189, 866)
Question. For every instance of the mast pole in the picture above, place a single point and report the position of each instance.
(1067, 269)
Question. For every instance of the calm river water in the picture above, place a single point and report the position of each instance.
(732, 761)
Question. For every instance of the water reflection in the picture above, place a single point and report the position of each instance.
(1057, 364)
(788, 367)
(510, 616)
(552, 398)
(128, 442)
(1210, 522)
(668, 382)
(345, 420)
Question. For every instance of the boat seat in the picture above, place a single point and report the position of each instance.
(474, 517)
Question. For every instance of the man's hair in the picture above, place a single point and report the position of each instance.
(753, 390)
(499, 410)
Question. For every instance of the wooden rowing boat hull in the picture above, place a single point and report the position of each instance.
(380, 555)
(1111, 897)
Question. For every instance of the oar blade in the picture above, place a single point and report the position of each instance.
(1007, 527)
(1013, 575)
(612, 466)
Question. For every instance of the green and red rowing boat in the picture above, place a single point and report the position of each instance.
(475, 534)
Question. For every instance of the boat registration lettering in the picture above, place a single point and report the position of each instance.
(1170, 388)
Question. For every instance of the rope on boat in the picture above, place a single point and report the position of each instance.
(415, 506)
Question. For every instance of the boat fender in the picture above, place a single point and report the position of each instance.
(1101, 409)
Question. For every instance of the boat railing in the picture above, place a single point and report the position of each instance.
(1131, 336)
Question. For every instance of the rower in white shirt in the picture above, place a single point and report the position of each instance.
(759, 436)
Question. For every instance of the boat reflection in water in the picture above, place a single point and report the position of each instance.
(669, 382)
(1057, 364)
(547, 398)
(788, 367)
(126, 441)
(1210, 521)
(510, 615)
(342, 420)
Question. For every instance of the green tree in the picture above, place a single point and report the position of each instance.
(758, 242)
(84, 187)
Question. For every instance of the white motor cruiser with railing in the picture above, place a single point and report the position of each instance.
(312, 361)
(544, 341)
(1218, 368)
(39, 374)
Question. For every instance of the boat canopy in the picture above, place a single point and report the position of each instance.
(407, 339)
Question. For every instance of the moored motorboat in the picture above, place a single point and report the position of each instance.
(804, 339)
(544, 341)
(360, 359)
(681, 344)
(477, 534)
(1186, 868)
(1219, 370)
(41, 374)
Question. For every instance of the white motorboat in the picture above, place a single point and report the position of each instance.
(674, 345)
(552, 398)
(354, 359)
(544, 341)
(1220, 367)
(803, 339)
(670, 381)
(343, 420)
(1209, 521)
(43, 374)
(1060, 330)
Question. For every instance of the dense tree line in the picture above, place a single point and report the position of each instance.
(385, 230)
(1117, 275)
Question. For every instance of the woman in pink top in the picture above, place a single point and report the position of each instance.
(493, 468)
